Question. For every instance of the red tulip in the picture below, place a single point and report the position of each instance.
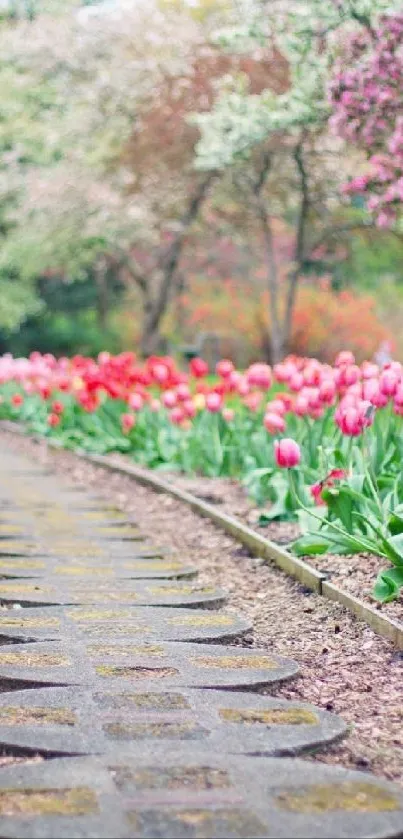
(57, 407)
(53, 420)
(198, 368)
(17, 400)
(287, 453)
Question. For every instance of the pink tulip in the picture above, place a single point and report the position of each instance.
(228, 414)
(189, 408)
(243, 386)
(343, 358)
(224, 368)
(177, 415)
(274, 423)
(213, 402)
(127, 422)
(155, 405)
(276, 406)
(183, 392)
(253, 400)
(388, 382)
(327, 391)
(169, 399)
(287, 453)
(296, 382)
(301, 407)
(259, 375)
(135, 401)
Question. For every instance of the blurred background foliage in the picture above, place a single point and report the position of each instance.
(167, 172)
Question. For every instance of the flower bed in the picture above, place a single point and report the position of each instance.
(316, 443)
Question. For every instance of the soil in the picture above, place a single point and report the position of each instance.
(345, 667)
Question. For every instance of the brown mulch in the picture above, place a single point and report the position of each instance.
(345, 666)
(355, 573)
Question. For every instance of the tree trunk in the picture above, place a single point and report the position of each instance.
(102, 296)
(165, 270)
(299, 253)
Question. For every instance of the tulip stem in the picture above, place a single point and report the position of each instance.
(361, 543)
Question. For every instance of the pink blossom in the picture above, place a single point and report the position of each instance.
(274, 423)
(287, 453)
(214, 402)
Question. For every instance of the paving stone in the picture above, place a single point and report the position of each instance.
(67, 589)
(140, 567)
(122, 664)
(192, 794)
(145, 622)
(121, 717)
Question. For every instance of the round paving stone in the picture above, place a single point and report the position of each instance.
(145, 623)
(101, 664)
(192, 794)
(77, 720)
(67, 590)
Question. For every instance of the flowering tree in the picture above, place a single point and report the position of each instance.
(278, 144)
(367, 99)
(72, 157)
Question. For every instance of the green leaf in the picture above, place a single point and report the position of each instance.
(395, 524)
(388, 585)
(340, 503)
(309, 522)
(397, 545)
(310, 545)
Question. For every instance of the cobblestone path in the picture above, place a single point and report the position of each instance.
(115, 667)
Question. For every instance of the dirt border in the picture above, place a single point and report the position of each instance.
(256, 544)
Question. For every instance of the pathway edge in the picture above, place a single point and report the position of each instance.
(258, 545)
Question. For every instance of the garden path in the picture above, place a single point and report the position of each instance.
(116, 669)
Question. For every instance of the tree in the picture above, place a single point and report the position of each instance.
(367, 99)
(85, 195)
(279, 145)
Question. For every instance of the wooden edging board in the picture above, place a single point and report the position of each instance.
(258, 545)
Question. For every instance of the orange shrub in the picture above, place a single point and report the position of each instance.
(325, 321)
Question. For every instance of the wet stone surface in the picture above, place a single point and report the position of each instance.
(119, 622)
(103, 589)
(87, 721)
(101, 663)
(193, 794)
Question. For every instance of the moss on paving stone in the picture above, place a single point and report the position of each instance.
(202, 620)
(145, 701)
(95, 650)
(135, 673)
(37, 716)
(271, 716)
(197, 823)
(155, 730)
(234, 662)
(27, 659)
(351, 797)
(80, 801)
(188, 778)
